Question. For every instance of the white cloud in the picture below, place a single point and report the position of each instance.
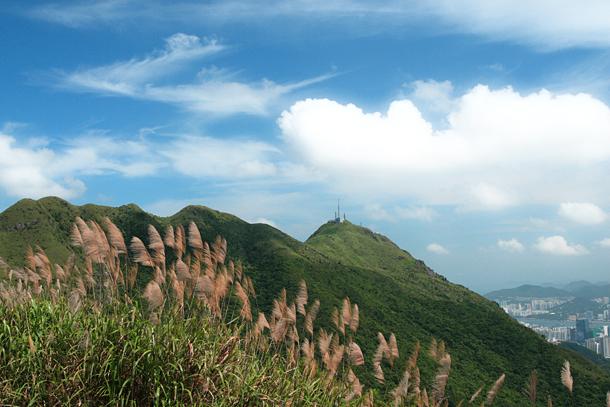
(127, 77)
(557, 245)
(605, 242)
(37, 171)
(212, 92)
(544, 23)
(437, 249)
(582, 212)
(500, 148)
(512, 245)
(213, 157)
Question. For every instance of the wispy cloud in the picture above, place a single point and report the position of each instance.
(396, 213)
(542, 24)
(213, 91)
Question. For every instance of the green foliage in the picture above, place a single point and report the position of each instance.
(115, 356)
(395, 292)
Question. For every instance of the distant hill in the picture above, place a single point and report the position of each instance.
(580, 285)
(578, 305)
(396, 293)
(594, 291)
(528, 291)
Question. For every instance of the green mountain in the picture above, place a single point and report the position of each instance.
(395, 292)
(528, 291)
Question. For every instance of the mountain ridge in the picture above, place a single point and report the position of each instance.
(396, 292)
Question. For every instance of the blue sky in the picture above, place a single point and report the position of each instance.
(474, 134)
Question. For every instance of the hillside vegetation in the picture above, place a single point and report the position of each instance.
(395, 292)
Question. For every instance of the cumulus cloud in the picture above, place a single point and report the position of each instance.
(500, 148)
(214, 91)
(582, 212)
(605, 243)
(543, 24)
(558, 245)
(437, 249)
(512, 245)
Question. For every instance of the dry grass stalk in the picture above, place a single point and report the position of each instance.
(608, 399)
(140, 254)
(308, 348)
(355, 386)
(566, 376)
(378, 372)
(249, 286)
(412, 361)
(335, 360)
(169, 239)
(495, 389)
(245, 311)
(475, 395)
(401, 391)
(337, 320)
(301, 299)
(324, 340)
(219, 249)
(60, 274)
(311, 316)
(279, 330)
(346, 311)
(393, 347)
(355, 320)
(153, 296)
(355, 354)
(75, 236)
(261, 322)
(182, 271)
(180, 243)
(115, 236)
(156, 245)
(440, 381)
(531, 391)
(31, 345)
(195, 241)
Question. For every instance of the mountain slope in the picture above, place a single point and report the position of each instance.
(395, 292)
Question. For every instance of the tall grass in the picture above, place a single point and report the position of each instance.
(173, 321)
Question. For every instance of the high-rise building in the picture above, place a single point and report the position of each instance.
(606, 346)
(594, 345)
(582, 330)
(605, 330)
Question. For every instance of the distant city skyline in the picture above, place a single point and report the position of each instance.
(476, 137)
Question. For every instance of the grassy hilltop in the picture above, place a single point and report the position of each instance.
(395, 292)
